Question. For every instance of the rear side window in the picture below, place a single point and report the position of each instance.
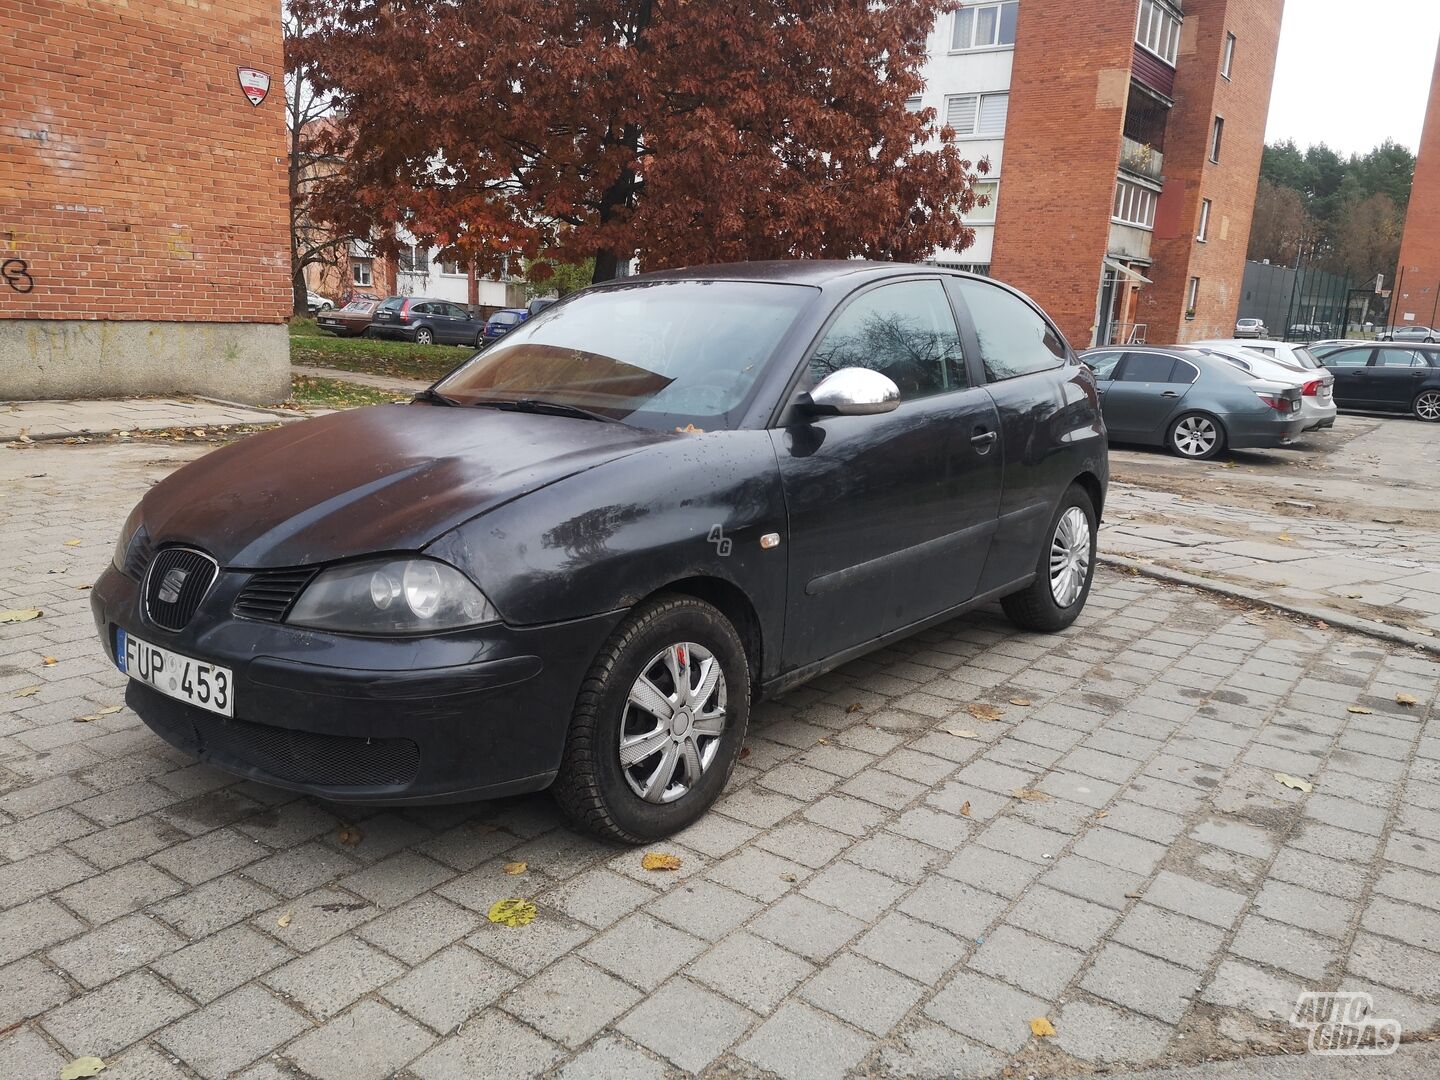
(1348, 358)
(1400, 358)
(1147, 367)
(905, 331)
(1014, 338)
(1305, 359)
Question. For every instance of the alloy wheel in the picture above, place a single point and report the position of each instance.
(1195, 436)
(423, 337)
(1069, 556)
(674, 718)
(1427, 405)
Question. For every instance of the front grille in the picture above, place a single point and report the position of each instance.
(307, 757)
(269, 594)
(137, 554)
(176, 582)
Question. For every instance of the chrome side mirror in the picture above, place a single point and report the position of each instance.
(853, 391)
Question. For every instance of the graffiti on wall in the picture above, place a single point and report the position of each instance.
(16, 274)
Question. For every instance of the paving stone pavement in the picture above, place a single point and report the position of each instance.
(869, 898)
(1382, 570)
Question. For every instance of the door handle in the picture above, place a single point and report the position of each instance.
(1168, 393)
(983, 439)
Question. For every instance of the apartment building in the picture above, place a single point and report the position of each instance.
(1416, 297)
(1124, 140)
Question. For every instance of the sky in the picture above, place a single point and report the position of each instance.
(1352, 73)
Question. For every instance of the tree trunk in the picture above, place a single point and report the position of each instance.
(607, 265)
(300, 293)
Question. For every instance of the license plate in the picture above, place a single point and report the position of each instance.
(1295, 405)
(203, 685)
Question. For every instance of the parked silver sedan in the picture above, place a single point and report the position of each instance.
(1192, 402)
(1317, 387)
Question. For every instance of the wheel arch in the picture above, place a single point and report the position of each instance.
(1091, 485)
(735, 605)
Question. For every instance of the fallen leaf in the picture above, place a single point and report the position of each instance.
(965, 808)
(1101, 814)
(87, 719)
(85, 1066)
(1284, 539)
(1360, 710)
(1042, 1028)
(197, 431)
(855, 708)
(1322, 624)
(744, 752)
(72, 543)
(108, 709)
(51, 661)
(20, 615)
(1030, 795)
(690, 429)
(512, 912)
(338, 905)
(823, 742)
(284, 920)
(789, 877)
(514, 868)
(29, 691)
(350, 836)
(962, 733)
(82, 588)
(1132, 896)
(1294, 782)
(984, 712)
(1022, 702)
(655, 860)
(1406, 699)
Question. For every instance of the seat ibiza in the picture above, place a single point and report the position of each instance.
(578, 559)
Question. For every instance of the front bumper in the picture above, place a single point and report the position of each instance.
(472, 714)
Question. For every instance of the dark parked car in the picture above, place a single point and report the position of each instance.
(579, 558)
(427, 322)
(503, 321)
(350, 321)
(1393, 378)
(1191, 401)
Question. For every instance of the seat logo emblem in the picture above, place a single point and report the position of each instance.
(171, 584)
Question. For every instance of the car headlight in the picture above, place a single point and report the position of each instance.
(127, 536)
(392, 596)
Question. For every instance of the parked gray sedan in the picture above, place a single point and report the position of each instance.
(1192, 402)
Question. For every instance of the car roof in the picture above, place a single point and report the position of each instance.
(790, 271)
(1185, 351)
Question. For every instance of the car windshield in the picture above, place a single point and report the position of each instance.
(656, 354)
(360, 305)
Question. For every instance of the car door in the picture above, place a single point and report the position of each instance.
(891, 515)
(1395, 376)
(1351, 368)
(1103, 365)
(1146, 392)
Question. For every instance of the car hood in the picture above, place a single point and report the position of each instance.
(380, 479)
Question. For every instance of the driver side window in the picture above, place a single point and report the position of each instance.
(905, 331)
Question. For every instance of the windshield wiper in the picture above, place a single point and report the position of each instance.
(553, 408)
(434, 396)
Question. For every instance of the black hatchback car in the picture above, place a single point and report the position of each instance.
(427, 322)
(1385, 377)
(578, 559)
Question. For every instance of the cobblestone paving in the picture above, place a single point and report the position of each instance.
(869, 898)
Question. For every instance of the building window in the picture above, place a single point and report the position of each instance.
(982, 269)
(989, 190)
(1203, 233)
(1159, 30)
(1229, 59)
(984, 26)
(1134, 205)
(1192, 298)
(451, 267)
(1216, 138)
(414, 259)
(973, 115)
(912, 104)
(360, 272)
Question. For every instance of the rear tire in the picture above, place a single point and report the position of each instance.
(1426, 406)
(424, 336)
(1063, 571)
(601, 794)
(1196, 436)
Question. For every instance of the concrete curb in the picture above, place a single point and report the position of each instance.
(1338, 619)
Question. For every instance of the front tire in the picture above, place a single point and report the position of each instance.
(1197, 436)
(424, 336)
(1064, 570)
(658, 724)
(1426, 406)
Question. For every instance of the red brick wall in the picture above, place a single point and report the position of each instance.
(1062, 149)
(1420, 250)
(136, 180)
(1201, 93)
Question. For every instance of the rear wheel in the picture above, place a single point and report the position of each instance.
(1197, 436)
(659, 723)
(1063, 572)
(1427, 406)
(424, 336)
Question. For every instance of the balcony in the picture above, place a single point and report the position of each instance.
(1142, 159)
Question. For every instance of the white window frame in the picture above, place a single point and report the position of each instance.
(1134, 205)
(914, 104)
(1227, 62)
(459, 270)
(1202, 234)
(1157, 30)
(985, 215)
(973, 11)
(365, 280)
(1217, 139)
(415, 252)
(980, 99)
(1192, 295)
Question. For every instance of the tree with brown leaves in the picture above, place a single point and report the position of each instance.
(681, 131)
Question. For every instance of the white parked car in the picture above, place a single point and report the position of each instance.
(1292, 363)
(316, 303)
(1250, 328)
